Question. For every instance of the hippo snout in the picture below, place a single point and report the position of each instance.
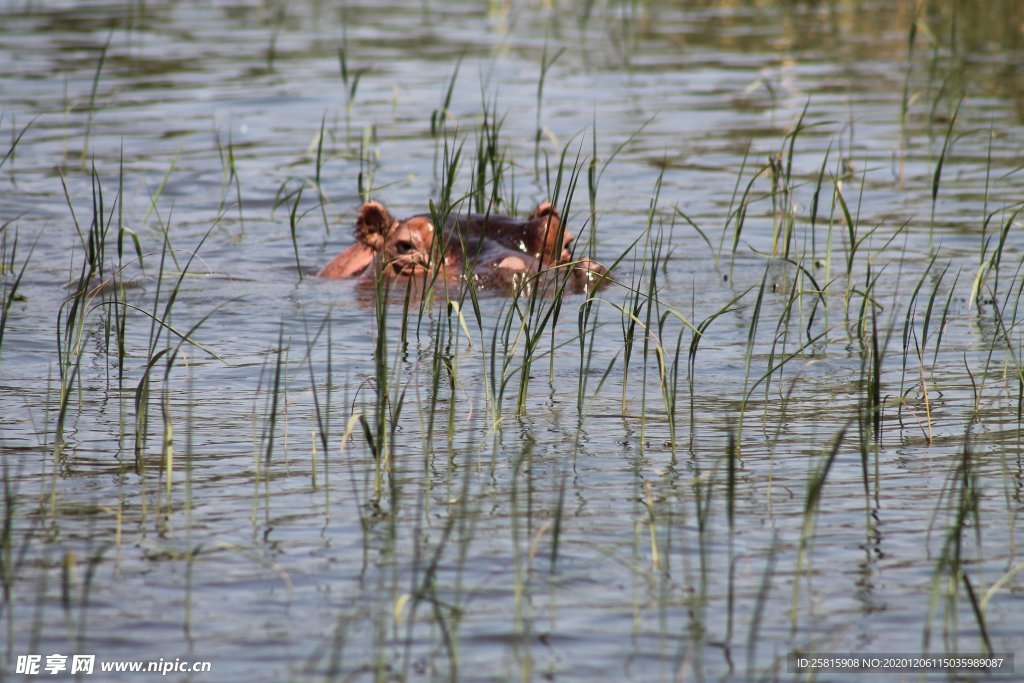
(588, 275)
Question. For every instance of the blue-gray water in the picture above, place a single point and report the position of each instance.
(576, 540)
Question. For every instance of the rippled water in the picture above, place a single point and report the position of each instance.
(584, 536)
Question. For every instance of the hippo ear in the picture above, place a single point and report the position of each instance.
(546, 209)
(373, 224)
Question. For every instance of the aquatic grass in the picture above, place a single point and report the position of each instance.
(760, 603)
(154, 201)
(588, 324)
(699, 333)
(160, 321)
(871, 403)
(350, 80)
(487, 193)
(92, 97)
(961, 497)
(172, 354)
(72, 313)
(862, 329)
(425, 590)
(491, 165)
(751, 385)
(368, 153)
(755, 318)
(10, 155)
(78, 631)
(633, 305)
(940, 329)
(269, 431)
(653, 327)
(230, 178)
(853, 244)
(624, 25)
(439, 118)
(447, 205)
(509, 321)
(812, 505)
(937, 175)
(89, 296)
(780, 341)
(546, 62)
(441, 368)
(986, 216)
(318, 167)
(813, 215)
(388, 400)
(782, 194)
(322, 415)
(522, 470)
(17, 537)
(293, 224)
(737, 215)
(554, 288)
(544, 295)
(9, 264)
(120, 310)
(907, 99)
(376, 434)
(946, 56)
(650, 306)
(920, 340)
(1001, 337)
(292, 187)
(990, 263)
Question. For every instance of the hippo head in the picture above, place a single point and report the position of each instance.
(406, 247)
(546, 240)
(541, 236)
(491, 244)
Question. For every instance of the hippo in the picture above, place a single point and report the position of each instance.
(499, 248)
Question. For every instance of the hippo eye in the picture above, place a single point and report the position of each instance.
(403, 247)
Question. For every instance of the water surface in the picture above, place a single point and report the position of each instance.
(581, 534)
